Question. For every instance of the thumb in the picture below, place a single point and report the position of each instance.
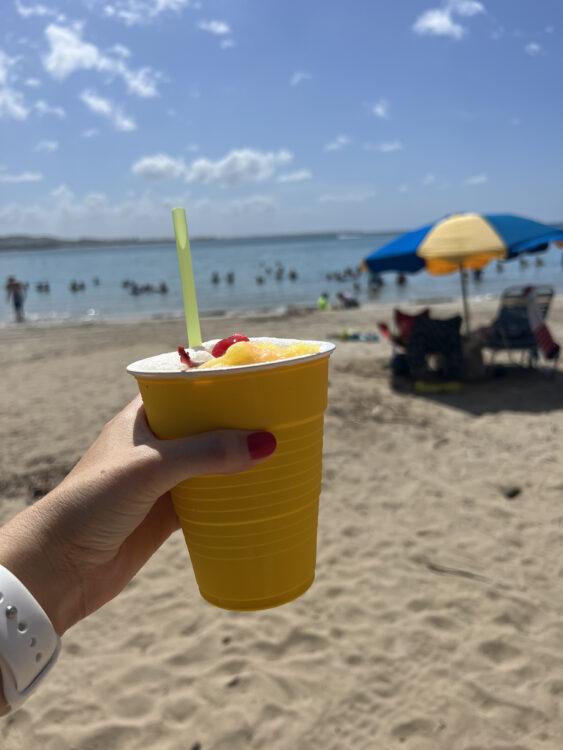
(219, 452)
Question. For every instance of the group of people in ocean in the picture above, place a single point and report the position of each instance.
(347, 274)
(278, 272)
(80, 286)
(16, 290)
(346, 300)
(137, 289)
(477, 273)
(216, 278)
(375, 280)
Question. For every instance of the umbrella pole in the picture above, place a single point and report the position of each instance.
(463, 277)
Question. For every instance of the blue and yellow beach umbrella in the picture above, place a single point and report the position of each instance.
(463, 241)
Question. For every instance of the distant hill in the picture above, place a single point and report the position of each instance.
(45, 242)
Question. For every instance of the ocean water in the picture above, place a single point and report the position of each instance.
(311, 258)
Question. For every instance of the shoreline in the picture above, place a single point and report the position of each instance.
(278, 312)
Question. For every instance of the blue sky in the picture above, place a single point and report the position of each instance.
(262, 116)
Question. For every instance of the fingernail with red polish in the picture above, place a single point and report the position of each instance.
(261, 444)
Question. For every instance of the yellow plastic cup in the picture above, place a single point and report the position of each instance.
(252, 536)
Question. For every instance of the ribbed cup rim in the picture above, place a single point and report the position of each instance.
(139, 368)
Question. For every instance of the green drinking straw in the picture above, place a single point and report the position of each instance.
(186, 276)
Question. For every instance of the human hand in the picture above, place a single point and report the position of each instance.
(77, 547)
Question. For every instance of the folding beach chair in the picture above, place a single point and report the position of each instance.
(404, 324)
(511, 330)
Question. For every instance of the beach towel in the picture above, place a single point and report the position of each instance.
(549, 348)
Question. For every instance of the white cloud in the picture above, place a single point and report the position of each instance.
(13, 179)
(387, 147)
(137, 12)
(64, 213)
(476, 179)
(381, 109)
(6, 63)
(299, 77)
(27, 11)
(43, 108)
(549, 29)
(235, 168)
(106, 108)
(252, 205)
(441, 21)
(340, 142)
(298, 176)
(48, 147)
(219, 28)
(403, 188)
(238, 166)
(466, 8)
(533, 49)
(358, 196)
(90, 133)
(121, 51)
(68, 53)
(32, 83)
(429, 179)
(63, 193)
(12, 102)
(438, 22)
(159, 167)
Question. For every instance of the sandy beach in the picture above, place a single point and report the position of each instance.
(435, 622)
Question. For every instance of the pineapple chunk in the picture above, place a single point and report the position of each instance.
(250, 353)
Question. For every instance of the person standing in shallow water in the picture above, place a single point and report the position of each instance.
(15, 293)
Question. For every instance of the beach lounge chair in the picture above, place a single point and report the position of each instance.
(511, 330)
